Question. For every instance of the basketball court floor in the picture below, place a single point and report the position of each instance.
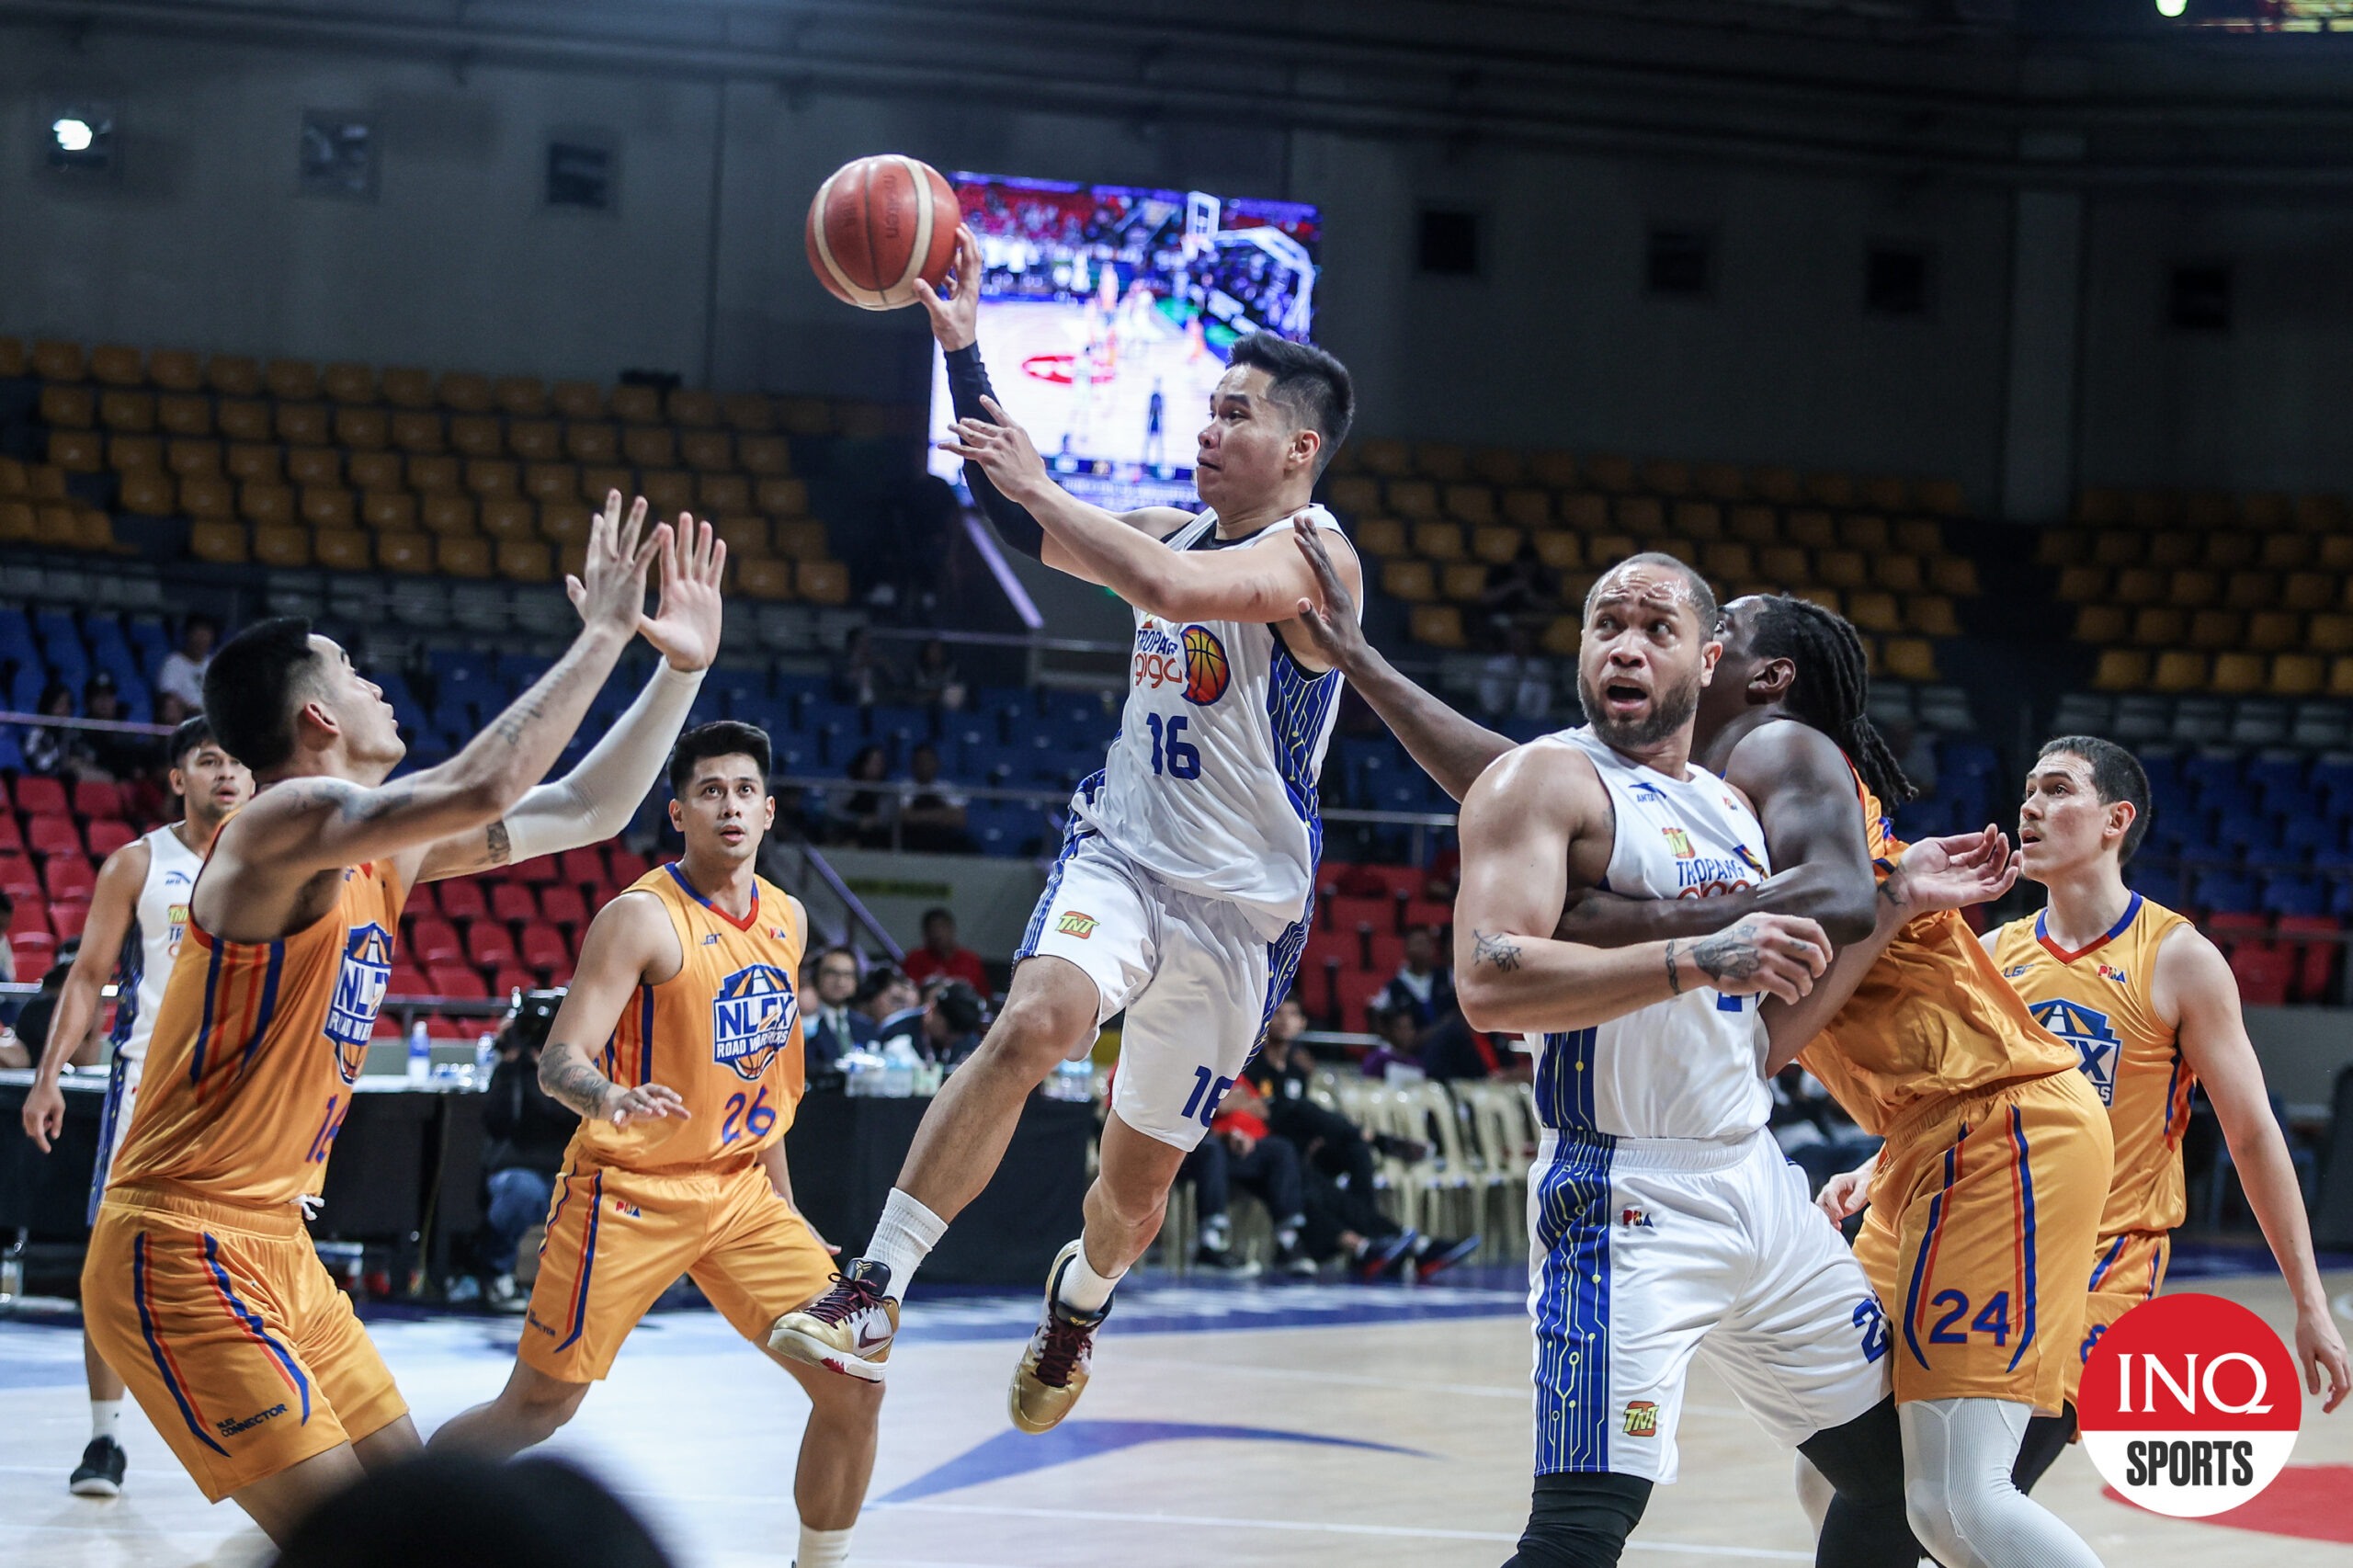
(1236, 1424)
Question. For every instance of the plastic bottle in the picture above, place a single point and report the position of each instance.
(485, 1058)
(898, 1064)
(420, 1055)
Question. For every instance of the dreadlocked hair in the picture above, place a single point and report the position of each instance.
(1831, 686)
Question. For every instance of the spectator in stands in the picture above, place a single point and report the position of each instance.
(1516, 683)
(952, 1017)
(931, 816)
(22, 1043)
(1521, 594)
(1240, 1151)
(59, 751)
(863, 816)
(527, 1135)
(1274, 1087)
(885, 992)
(935, 683)
(119, 757)
(860, 676)
(941, 955)
(832, 1027)
(182, 674)
(456, 1512)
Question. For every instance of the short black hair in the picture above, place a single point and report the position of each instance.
(722, 737)
(938, 914)
(1703, 598)
(250, 686)
(1312, 385)
(192, 735)
(2117, 774)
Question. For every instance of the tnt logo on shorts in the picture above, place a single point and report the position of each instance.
(751, 1018)
(1073, 923)
(1642, 1418)
(359, 988)
(2092, 1036)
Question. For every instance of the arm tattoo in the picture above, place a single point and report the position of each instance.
(1730, 954)
(1674, 979)
(1500, 951)
(571, 1079)
(498, 849)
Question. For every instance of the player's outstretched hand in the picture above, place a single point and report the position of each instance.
(1332, 625)
(649, 1102)
(1845, 1194)
(1779, 955)
(610, 589)
(1954, 872)
(956, 315)
(685, 622)
(44, 1113)
(1004, 450)
(2320, 1349)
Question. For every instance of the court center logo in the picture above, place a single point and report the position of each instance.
(752, 1020)
(2190, 1405)
(2092, 1036)
(359, 988)
(1206, 673)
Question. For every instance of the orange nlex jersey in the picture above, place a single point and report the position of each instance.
(2099, 1000)
(1933, 1021)
(256, 1050)
(725, 1032)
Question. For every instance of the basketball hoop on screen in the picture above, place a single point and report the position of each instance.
(2190, 1405)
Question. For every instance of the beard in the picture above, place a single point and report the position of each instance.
(1671, 710)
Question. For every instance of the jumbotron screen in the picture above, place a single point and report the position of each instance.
(1106, 314)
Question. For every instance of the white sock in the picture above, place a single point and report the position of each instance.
(1083, 1290)
(1957, 1488)
(904, 1237)
(823, 1549)
(106, 1418)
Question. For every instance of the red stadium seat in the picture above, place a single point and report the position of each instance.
(2316, 956)
(18, 878)
(2264, 973)
(39, 796)
(97, 798)
(1337, 945)
(462, 899)
(35, 951)
(408, 980)
(544, 948)
(626, 865)
(433, 940)
(68, 878)
(539, 868)
(582, 867)
(109, 834)
(1429, 912)
(65, 920)
(12, 837)
(1381, 881)
(513, 901)
(455, 980)
(1388, 954)
(512, 979)
(599, 897)
(442, 1026)
(563, 905)
(1317, 988)
(1356, 990)
(1348, 913)
(488, 944)
(53, 835)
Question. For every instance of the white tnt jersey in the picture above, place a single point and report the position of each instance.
(157, 922)
(1691, 1066)
(1210, 785)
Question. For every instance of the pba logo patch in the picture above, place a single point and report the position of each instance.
(2190, 1405)
(1642, 1418)
(2092, 1036)
(1205, 671)
(1073, 923)
(2117, 975)
(1679, 842)
(752, 1020)
(1635, 1220)
(359, 988)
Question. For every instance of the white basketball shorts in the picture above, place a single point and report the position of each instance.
(1195, 979)
(1647, 1252)
(114, 1120)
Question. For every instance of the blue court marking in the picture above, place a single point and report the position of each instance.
(1018, 1453)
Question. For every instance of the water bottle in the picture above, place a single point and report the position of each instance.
(485, 1058)
(1073, 1081)
(420, 1055)
(898, 1064)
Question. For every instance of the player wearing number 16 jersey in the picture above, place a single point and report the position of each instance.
(1181, 894)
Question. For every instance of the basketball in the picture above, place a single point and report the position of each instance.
(878, 223)
(1205, 668)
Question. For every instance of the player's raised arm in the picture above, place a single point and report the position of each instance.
(1449, 747)
(113, 902)
(2196, 979)
(629, 943)
(318, 824)
(1519, 825)
(594, 801)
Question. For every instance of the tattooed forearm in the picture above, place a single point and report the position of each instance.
(1674, 978)
(568, 1077)
(1730, 954)
(1500, 951)
(496, 850)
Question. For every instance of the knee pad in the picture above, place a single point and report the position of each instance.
(1580, 1519)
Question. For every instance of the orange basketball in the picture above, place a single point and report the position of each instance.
(877, 225)
(1205, 667)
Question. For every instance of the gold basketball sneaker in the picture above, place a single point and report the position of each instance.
(1052, 1373)
(846, 1330)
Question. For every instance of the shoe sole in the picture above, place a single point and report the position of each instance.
(809, 1350)
(96, 1487)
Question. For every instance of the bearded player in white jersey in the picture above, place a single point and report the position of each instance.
(1183, 889)
(138, 915)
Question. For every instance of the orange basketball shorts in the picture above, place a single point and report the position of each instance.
(1983, 1210)
(231, 1334)
(2129, 1268)
(618, 1238)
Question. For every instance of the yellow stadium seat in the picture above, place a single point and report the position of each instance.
(132, 411)
(2175, 547)
(388, 511)
(551, 482)
(1813, 528)
(222, 544)
(417, 430)
(12, 477)
(1955, 575)
(1560, 549)
(243, 419)
(1441, 461)
(46, 482)
(1664, 476)
(570, 560)
(525, 561)
(2152, 509)
(266, 504)
(2160, 626)
(598, 443)
(745, 535)
(577, 399)
(1640, 516)
(1527, 508)
(445, 513)
(781, 497)
(1930, 615)
(2217, 628)
(1587, 512)
(1554, 471)
(2236, 675)
(2180, 670)
(509, 518)
(2285, 552)
(2120, 669)
(117, 365)
(375, 470)
(2320, 514)
(716, 493)
(1436, 626)
(348, 384)
(256, 462)
(233, 375)
(2206, 509)
(2119, 547)
(2138, 585)
(430, 474)
(476, 436)
(766, 457)
(1755, 525)
(520, 397)
(822, 582)
(1438, 541)
(19, 524)
(14, 363)
(1463, 580)
(2340, 675)
(2333, 552)
(342, 550)
(693, 409)
(407, 387)
(1873, 610)
(1562, 636)
(315, 465)
(405, 552)
(2251, 590)
(1471, 504)
(1830, 489)
(2266, 510)
(1775, 484)
(1866, 532)
(2329, 633)
(2296, 674)
(1841, 568)
(2307, 591)
(1610, 472)
(535, 440)
(2100, 508)
(68, 407)
(636, 405)
(462, 391)
(667, 492)
(707, 452)
(292, 381)
(1728, 557)
(566, 522)
(1910, 658)
(149, 495)
(56, 359)
(184, 414)
(1496, 544)
(1698, 520)
(1783, 566)
(2102, 623)
(77, 452)
(761, 579)
(2190, 589)
(307, 425)
(1385, 457)
(1720, 481)
(57, 526)
(281, 544)
(750, 412)
(493, 476)
(649, 446)
(1501, 466)
(1380, 536)
(1412, 581)
(2227, 550)
(207, 497)
(1604, 550)
(326, 507)
(1413, 499)
(1897, 574)
(462, 555)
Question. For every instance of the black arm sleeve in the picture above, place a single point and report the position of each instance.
(968, 382)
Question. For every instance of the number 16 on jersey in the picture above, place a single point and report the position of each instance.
(1171, 753)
